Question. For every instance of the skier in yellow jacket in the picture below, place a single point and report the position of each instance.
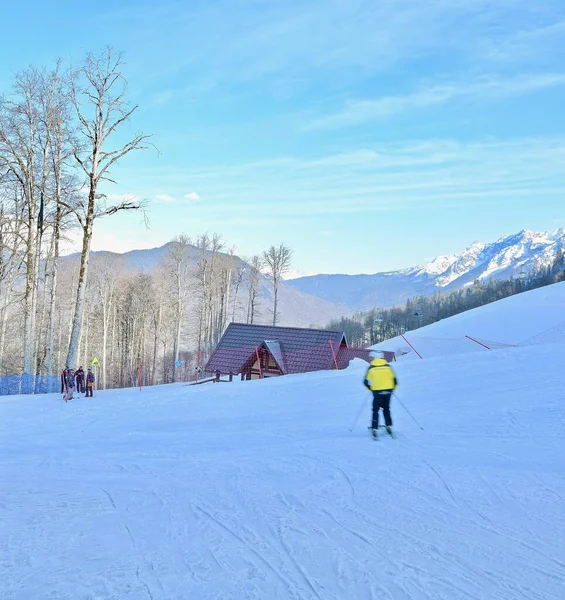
(381, 380)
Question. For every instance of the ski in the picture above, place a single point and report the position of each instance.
(390, 433)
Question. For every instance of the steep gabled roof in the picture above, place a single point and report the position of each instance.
(274, 347)
(300, 349)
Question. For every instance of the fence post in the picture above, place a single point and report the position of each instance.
(416, 351)
(139, 376)
(477, 342)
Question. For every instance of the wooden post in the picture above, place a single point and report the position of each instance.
(259, 362)
(139, 376)
(333, 353)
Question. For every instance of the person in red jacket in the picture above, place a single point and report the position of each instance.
(89, 383)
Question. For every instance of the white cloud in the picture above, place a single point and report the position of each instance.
(385, 177)
(192, 196)
(357, 112)
(166, 198)
(161, 98)
(284, 40)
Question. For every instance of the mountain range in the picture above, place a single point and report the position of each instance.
(510, 256)
(317, 299)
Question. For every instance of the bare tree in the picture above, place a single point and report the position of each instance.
(253, 282)
(211, 281)
(278, 261)
(177, 267)
(19, 139)
(106, 273)
(11, 262)
(98, 96)
(240, 270)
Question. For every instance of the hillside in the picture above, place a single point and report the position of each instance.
(259, 489)
(296, 308)
(511, 255)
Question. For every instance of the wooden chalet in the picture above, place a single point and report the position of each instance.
(257, 351)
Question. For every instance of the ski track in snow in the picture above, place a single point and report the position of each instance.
(258, 490)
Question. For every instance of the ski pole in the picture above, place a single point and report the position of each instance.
(404, 407)
(358, 416)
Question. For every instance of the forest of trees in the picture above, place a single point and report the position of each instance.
(57, 155)
(371, 327)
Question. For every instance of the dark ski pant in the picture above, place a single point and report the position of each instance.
(381, 399)
(80, 386)
(89, 392)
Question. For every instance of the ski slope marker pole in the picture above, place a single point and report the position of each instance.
(406, 340)
(404, 407)
(358, 416)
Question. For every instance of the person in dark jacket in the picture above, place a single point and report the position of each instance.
(381, 380)
(68, 377)
(79, 378)
(89, 383)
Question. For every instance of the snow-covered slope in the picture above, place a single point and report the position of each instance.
(259, 490)
(511, 255)
(530, 318)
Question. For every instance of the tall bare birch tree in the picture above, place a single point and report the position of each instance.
(106, 273)
(177, 267)
(98, 96)
(19, 134)
(253, 292)
(278, 261)
(11, 261)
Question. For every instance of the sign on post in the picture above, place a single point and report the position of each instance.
(95, 362)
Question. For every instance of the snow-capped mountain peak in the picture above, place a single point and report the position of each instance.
(519, 252)
(511, 255)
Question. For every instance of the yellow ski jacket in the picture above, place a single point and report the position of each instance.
(380, 376)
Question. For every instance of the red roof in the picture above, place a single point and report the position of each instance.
(295, 349)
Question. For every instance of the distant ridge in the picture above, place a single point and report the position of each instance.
(511, 255)
(296, 308)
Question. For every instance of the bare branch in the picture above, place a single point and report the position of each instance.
(117, 207)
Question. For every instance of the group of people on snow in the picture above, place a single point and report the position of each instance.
(71, 380)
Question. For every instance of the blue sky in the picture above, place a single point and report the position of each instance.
(366, 135)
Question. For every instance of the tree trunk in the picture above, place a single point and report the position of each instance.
(53, 292)
(105, 318)
(3, 324)
(82, 278)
